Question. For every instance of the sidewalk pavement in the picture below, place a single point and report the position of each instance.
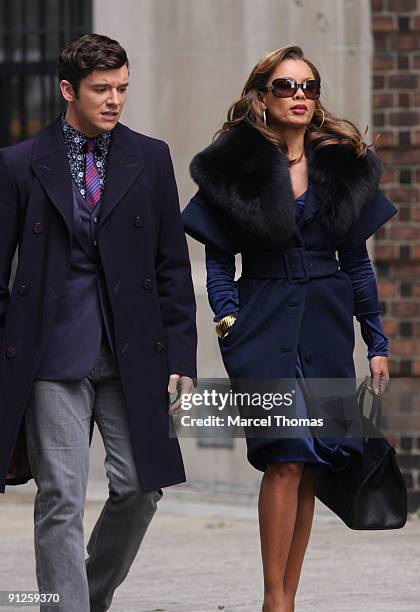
(201, 554)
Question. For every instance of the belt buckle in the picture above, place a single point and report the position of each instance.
(295, 265)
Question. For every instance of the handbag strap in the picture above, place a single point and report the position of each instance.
(376, 408)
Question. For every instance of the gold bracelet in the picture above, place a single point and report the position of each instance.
(223, 326)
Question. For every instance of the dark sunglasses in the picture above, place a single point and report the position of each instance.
(286, 88)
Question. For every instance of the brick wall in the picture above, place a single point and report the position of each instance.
(396, 116)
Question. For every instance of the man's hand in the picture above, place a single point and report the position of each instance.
(178, 384)
(379, 380)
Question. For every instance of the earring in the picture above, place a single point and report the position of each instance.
(264, 114)
(318, 127)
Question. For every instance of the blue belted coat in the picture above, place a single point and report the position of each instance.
(293, 297)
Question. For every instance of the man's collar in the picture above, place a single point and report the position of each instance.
(73, 137)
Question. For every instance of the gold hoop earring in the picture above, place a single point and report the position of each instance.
(318, 127)
(264, 114)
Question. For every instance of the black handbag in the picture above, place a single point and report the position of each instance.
(370, 493)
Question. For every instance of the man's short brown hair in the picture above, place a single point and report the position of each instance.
(85, 54)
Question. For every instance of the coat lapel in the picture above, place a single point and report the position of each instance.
(51, 165)
(124, 165)
(343, 184)
(246, 179)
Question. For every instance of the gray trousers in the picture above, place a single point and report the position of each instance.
(58, 417)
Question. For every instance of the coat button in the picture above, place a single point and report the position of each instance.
(308, 356)
(10, 352)
(23, 290)
(37, 228)
(159, 346)
(139, 222)
(147, 283)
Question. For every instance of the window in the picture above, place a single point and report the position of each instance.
(32, 32)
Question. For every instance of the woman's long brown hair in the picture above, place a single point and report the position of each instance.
(248, 108)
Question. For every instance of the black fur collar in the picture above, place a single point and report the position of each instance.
(246, 178)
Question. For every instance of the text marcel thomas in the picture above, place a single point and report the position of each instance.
(220, 401)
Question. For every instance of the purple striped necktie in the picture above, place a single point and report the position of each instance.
(93, 185)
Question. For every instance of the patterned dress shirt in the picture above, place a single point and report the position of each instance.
(75, 143)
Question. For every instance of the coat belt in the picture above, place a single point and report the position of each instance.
(297, 264)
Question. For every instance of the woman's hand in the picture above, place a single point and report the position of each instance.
(379, 380)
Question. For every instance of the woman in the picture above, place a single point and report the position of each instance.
(286, 184)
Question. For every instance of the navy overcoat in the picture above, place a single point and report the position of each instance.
(140, 236)
(292, 294)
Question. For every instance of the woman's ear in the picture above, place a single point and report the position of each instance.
(261, 97)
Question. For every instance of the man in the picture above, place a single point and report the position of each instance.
(100, 319)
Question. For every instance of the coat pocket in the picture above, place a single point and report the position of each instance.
(249, 291)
